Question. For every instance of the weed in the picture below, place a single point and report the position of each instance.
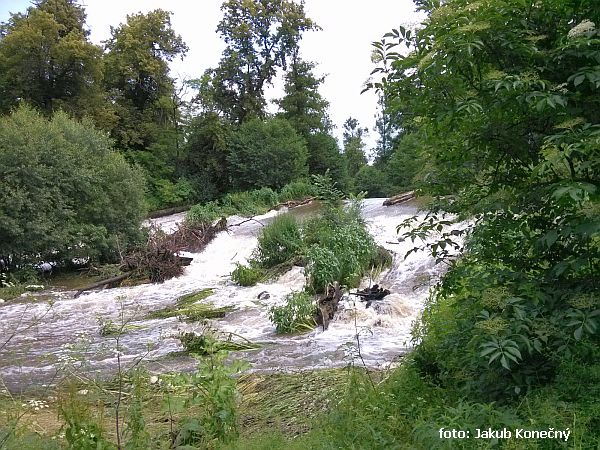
(280, 241)
(211, 341)
(247, 275)
(298, 314)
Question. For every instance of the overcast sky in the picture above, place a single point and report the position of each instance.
(342, 49)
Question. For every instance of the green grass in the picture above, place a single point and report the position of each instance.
(188, 308)
(247, 275)
(248, 203)
(211, 341)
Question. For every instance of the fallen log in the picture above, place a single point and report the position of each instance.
(372, 293)
(328, 305)
(185, 260)
(103, 283)
(294, 203)
(400, 198)
(167, 211)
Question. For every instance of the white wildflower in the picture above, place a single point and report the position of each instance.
(153, 379)
(83, 392)
(581, 29)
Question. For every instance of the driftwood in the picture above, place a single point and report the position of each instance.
(328, 305)
(400, 198)
(103, 283)
(167, 212)
(294, 203)
(193, 238)
(371, 294)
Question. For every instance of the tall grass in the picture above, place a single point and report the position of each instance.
(249, 203)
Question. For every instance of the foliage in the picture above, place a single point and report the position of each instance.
(302, 106)
(146, 103)
(138, 53)
(189, 308)
(354, 146)
(339, 246)
(338, 252)
(266, 153)
(210, 342)
(247, 275)
(249, 203)
(297, 190)
(213, 388)
(279, 242)
(324, 156)
(82, 429)
(495, 100)
(298, 313)
(260, 38)
(47, 60)
(373, 181)
(65, 192)
(205, 161)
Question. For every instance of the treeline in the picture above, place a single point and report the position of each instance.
(177, 142)
(198, 139)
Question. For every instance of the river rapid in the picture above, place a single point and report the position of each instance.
(43, 340)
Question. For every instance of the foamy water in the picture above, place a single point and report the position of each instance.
(66, 334)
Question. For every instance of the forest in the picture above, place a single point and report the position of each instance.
(487, 110)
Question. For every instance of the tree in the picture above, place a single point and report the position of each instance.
(205, 163)
(146, 101)
(137, 75)
(266, 153)
(502, 105)
(261, 36)
(65, 193)
(303, 106)
(371, 180)
(47, 61)
(354, 146)
(324, 155)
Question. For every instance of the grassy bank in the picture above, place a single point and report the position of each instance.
(249, 203)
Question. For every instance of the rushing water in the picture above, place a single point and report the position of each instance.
(42, 338)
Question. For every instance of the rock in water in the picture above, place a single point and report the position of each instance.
(264, 295)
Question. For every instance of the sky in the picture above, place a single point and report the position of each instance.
(342, 50)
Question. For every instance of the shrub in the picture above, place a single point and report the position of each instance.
(247, 275)
(279, 242)
(65, 193)
(339, 252)
(202, 214)
(298, 314)
(297, 190)
(266, 153)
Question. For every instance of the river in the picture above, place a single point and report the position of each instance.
(43, 340)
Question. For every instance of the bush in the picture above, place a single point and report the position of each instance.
(204, 214)
(373, 181)
(298, 314)
(297, 190)
(279, 242)
(65, 193)
(268, 153)
(340, 250)
(247, 275)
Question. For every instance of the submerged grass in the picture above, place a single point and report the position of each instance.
(188, 308)
(210, 342)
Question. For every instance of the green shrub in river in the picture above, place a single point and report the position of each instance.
(297, 315)
(247, 275)
(279, 242)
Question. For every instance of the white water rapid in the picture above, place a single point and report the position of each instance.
(41, 339)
